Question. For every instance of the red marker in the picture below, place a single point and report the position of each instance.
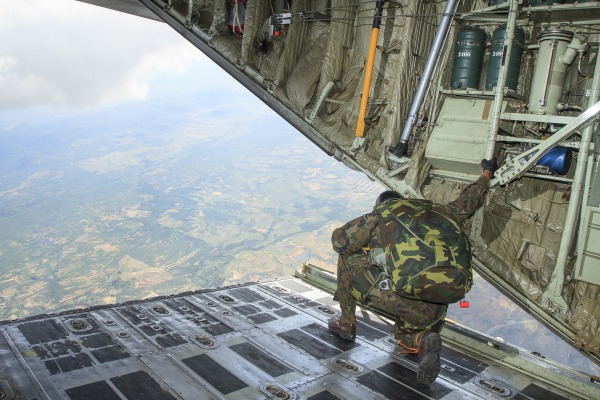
(464, 304)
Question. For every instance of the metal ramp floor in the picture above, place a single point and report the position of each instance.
(255, 341)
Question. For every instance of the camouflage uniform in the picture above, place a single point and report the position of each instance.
(412, 316)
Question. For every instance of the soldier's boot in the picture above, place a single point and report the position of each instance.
(429, 345)
(344, 330)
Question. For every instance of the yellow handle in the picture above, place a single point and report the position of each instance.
(360, 125)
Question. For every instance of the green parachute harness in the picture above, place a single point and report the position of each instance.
(427, 255)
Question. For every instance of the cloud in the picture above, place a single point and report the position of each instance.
(67, 53)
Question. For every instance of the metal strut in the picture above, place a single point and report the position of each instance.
(515, 167)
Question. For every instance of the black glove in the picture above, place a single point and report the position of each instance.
(490, 165)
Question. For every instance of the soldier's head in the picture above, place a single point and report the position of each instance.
(387, 195)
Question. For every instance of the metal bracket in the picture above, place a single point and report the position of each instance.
(283, 19)
(240, 64)
(393, 47)
(6, 391)
(404, 164)
(270, 86)
(554, 304)
(330, 85)
(358, 143)
(518, 165)
(399, 160)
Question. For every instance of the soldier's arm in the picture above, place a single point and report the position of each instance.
(355, 234)
(473, 196)
(470, 199)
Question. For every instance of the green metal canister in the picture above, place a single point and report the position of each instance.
(496, 55)
(468, 58)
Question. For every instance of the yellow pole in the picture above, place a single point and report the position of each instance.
(364, 101)
(360, 125)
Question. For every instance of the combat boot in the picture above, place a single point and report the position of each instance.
(429, 345)
(344, 330)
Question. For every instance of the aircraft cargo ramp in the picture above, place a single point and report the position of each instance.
(256, 341)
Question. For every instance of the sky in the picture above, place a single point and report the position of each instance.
(114, 59)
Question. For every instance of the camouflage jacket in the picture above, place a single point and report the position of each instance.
(364, 231)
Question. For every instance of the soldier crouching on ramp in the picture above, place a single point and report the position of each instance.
(410, 258)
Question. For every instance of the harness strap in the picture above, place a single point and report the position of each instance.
(406, 349)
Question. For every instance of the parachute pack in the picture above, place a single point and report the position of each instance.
(428, 255)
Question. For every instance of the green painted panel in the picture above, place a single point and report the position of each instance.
(588, 262)
(460, 139)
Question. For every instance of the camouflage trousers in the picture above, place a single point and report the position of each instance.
(412, 316)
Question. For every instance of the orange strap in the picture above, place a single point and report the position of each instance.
(406, 349)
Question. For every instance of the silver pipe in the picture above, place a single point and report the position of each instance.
(434, 53)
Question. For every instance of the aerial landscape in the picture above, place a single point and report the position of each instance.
(123, 214)
(143, 208)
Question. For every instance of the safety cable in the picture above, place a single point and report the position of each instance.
(236, 18)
